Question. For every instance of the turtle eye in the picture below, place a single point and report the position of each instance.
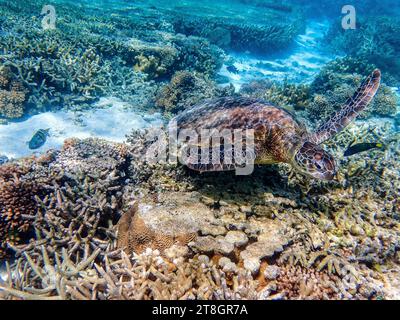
(318, 156)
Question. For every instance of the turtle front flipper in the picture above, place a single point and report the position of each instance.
(341, 119)
(211, 159)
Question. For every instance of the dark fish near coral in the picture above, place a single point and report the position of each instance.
(38, 139)
(3, 160)
(361, 147)
(232, 69)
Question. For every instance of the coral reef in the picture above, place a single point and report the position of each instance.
(337, 82)
(96, 220)
(76, 64)
(172, 52)
(17, 205)
(374, 40)
(273, 235)
(186, 89)
(12, 95)
(330, 89)
(287, 95)
(318, 228)
(261, 28)
(329, 8)
(255, 38)
(123, 277)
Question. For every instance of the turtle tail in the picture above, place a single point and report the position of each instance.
(342, 118)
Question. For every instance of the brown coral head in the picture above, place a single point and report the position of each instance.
(135, 236)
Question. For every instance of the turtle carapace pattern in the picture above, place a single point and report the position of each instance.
(278, 136)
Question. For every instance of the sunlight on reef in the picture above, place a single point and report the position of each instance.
(109, 119)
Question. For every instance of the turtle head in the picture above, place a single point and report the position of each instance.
(314, 161)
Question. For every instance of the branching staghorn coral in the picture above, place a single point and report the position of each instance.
(118, 276)
(74, 66)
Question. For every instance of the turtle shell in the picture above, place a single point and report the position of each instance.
(271, 126)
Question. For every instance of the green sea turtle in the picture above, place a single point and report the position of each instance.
(278, 136)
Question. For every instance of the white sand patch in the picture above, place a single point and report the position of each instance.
(112, 120)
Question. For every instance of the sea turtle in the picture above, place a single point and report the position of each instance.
(278, 136)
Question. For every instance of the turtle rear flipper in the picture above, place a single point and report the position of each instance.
(341, 119)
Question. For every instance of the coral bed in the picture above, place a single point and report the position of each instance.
(375, 40)
(96, 221)
(337, 82)
(110, 226)
(120, 50)
(90, 55)
(12, 95)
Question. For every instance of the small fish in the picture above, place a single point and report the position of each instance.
(3, 160)
(361, 147)
(232, 69)
(38, 139)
